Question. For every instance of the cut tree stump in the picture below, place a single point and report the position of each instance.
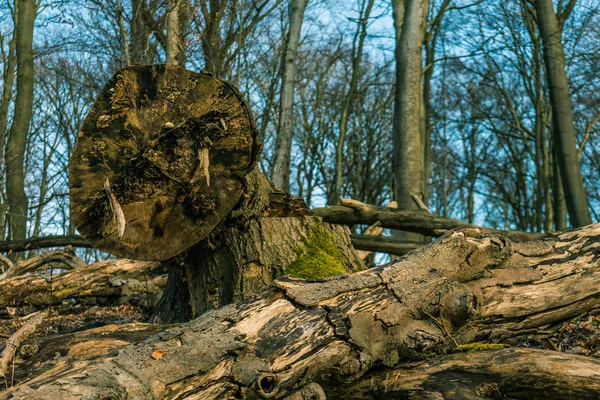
(388, 332)
(164, 169)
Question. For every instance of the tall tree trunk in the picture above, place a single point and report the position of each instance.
(562, 114)
(408, 154)
(283, 147)
(140, 34)
(7, 86)
(17, 137)
(123, 33)
(357, 52)
(176, 31)
(211, 43)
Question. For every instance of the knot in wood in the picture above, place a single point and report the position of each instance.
(267, 386)
(457, 308)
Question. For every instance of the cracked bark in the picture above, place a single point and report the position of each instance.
(382, 332)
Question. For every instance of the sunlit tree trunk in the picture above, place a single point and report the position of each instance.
(17, 136)
(176, 31)
(562, 114)
(283, 147)
(408, 151)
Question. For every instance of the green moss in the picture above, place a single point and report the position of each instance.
(472, 347)
(318, 258)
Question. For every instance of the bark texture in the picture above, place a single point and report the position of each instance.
(283, 147)
(408, 151)
(563, 128)
(19, 130)
(177, 21)
(399, 318)
(237, 263)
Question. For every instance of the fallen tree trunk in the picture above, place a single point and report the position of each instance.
(352, 212)
(383, 244)
(65, 258)
(466, 287)
(103, 283)
(35, 243)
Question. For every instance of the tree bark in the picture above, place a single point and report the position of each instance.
(408, 151)
(283, 147)
(237, 263)
(386, 329)
(140, 33)
(17, 136)
(177, 22)
(562, 114)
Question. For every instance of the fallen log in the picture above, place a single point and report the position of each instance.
(36, 243)
(66, 258)
(383, 244)
(401, 318)
(505, 374)
(104, 283)
(352, 212)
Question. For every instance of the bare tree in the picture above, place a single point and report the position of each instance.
(17, 136)
(408, 154)
(177, 25)
(358, 44)
(565, 148)
(283, 147)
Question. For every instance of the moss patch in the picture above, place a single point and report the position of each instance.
(318, 258)
(472, 347)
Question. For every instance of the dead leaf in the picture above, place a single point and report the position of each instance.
(158, 354)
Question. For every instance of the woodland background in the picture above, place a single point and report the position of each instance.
(485, 123)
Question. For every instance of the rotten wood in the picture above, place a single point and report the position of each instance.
(160, 160)
(468, 286)
(514, 373)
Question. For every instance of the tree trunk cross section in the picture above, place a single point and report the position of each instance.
(173, 147)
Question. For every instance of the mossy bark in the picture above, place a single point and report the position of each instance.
(240, 261)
